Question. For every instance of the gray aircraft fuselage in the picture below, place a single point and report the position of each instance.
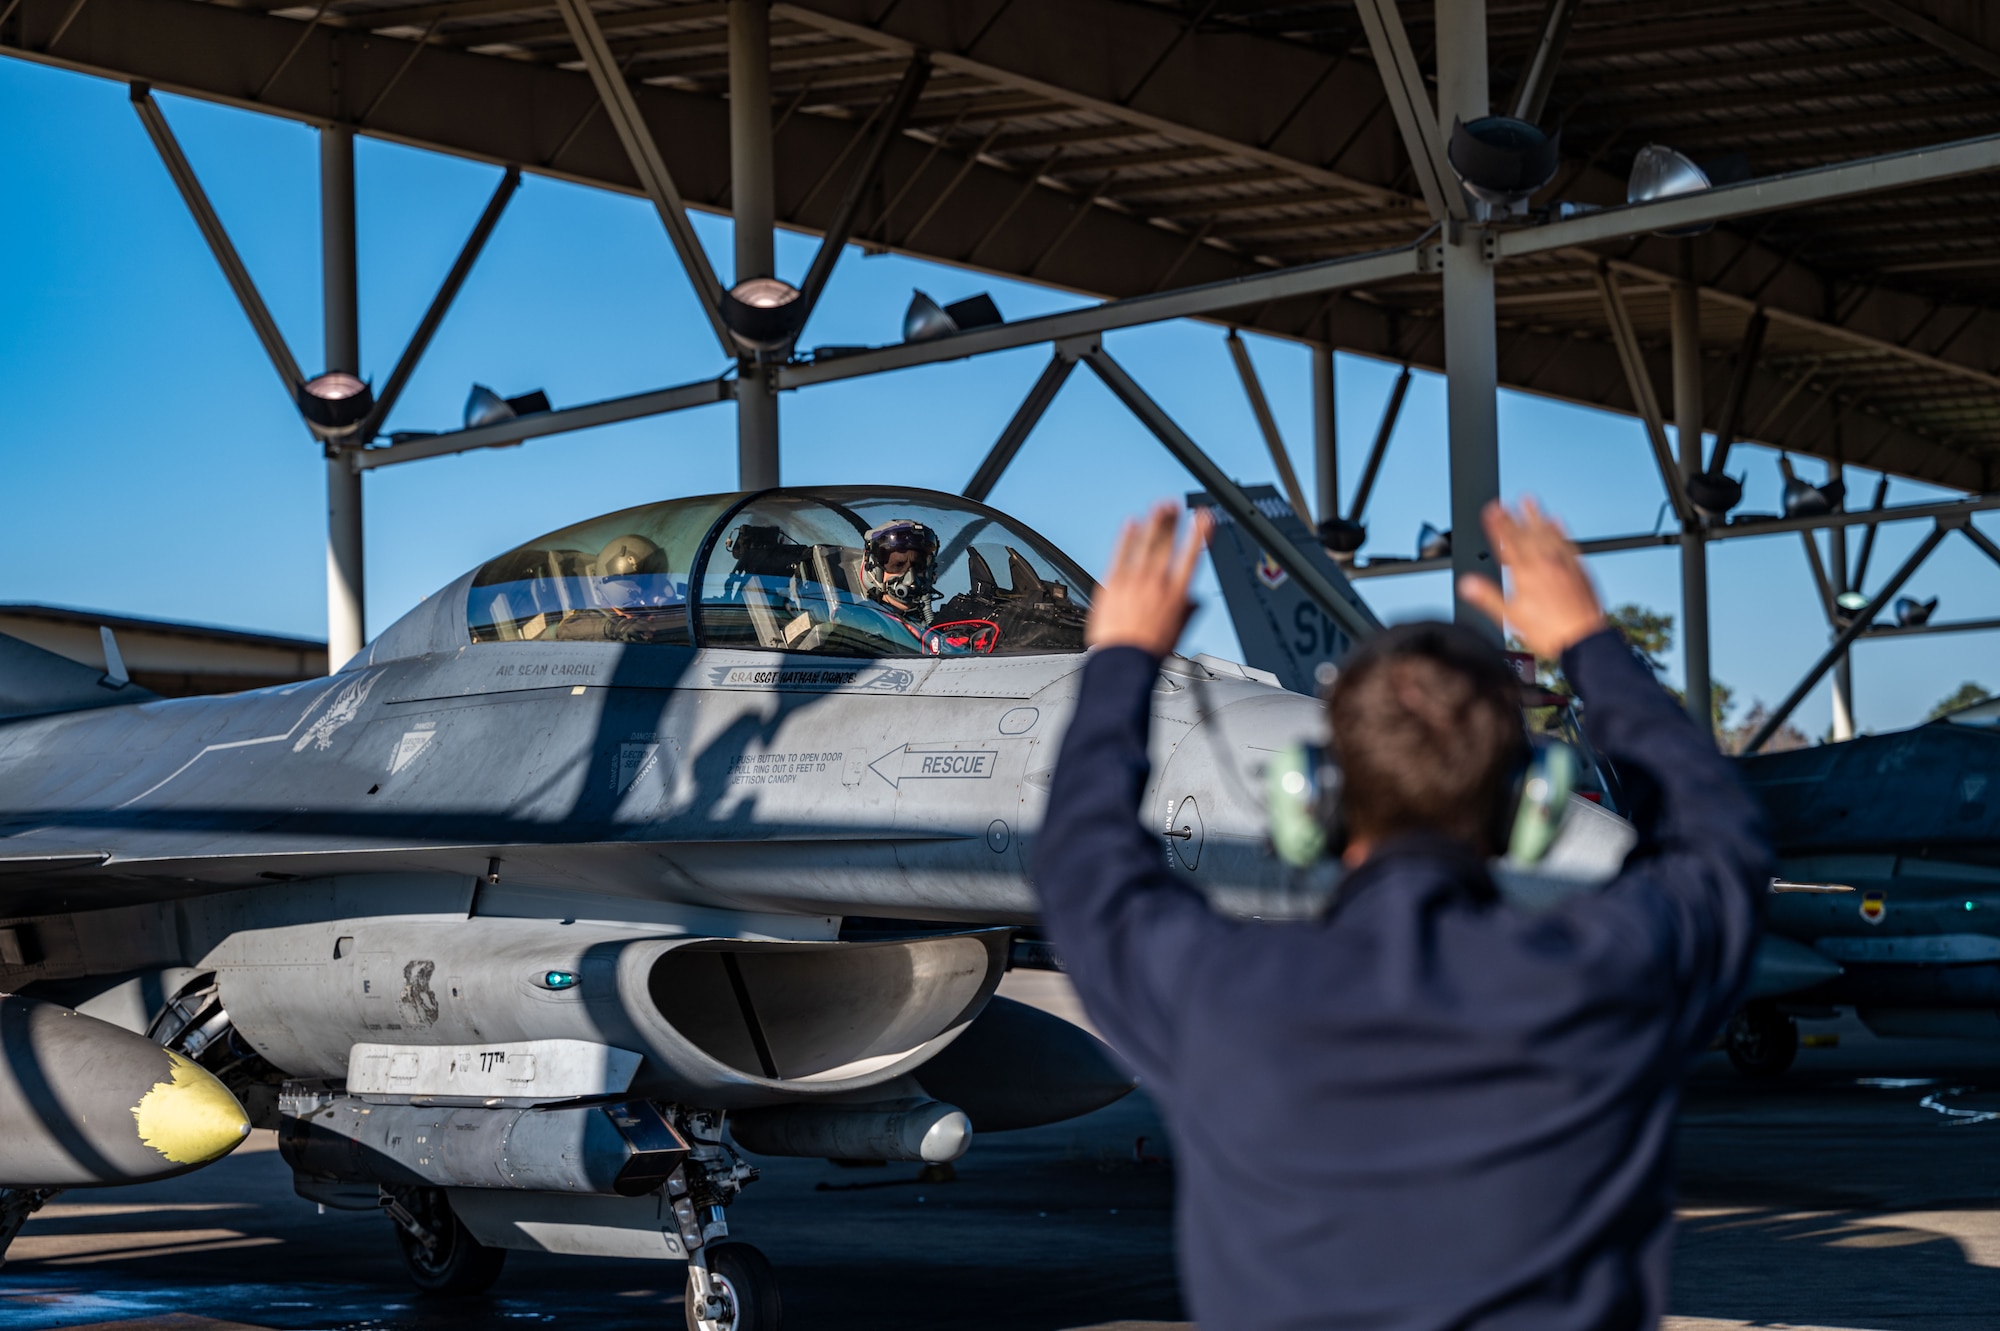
(728, 779)
(1907, 823)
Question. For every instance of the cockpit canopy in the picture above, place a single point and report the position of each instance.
(789, 571)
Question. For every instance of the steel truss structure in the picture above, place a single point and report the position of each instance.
(1271, 165)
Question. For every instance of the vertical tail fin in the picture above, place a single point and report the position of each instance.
(1281, 628)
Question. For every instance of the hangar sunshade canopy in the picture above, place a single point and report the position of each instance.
(1147, 150)
(1119, 147)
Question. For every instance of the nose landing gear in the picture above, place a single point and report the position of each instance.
(731, 1288)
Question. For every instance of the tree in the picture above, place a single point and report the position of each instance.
(1651, 635)
(1650, 632)
(1732, 739)
(1965, 695)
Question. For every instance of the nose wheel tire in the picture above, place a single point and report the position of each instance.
(455, 1263)
(1762, 1041)
(741, 1279)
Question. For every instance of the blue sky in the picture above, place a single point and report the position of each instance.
(156, 467)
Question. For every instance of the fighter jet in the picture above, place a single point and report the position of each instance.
(695, 831)
(1889, 887)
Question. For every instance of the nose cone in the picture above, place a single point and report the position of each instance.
(1210, 805)
(190, 1118)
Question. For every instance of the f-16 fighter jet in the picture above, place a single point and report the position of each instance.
(1889, 900)
(539, 920)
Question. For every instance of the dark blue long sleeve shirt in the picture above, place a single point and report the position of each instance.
(1428, 1109)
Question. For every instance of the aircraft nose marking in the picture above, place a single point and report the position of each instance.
(935, 762)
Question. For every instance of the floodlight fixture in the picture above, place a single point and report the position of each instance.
(483, 406)
(1803, 499)
(1501, 161)
(763, 313)
(1714, 493)
(1658, 172)
(926, 320)
(1342, 536)
(1912, 613)
(1432, 543)
(336, 402)
(1852, 602)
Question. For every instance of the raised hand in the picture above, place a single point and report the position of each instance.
(1551, 604)
(1143, 601)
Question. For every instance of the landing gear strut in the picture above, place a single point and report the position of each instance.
(1762, 1041)
(730, 1285)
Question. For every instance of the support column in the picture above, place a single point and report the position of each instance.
(341, 301)
(752, 205)
(1471, 354)
(1326, 436)
(1843, 668)
(1686, 328)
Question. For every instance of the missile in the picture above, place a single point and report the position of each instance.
(89, 1104)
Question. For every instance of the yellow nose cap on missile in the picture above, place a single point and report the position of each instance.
(192, 1118)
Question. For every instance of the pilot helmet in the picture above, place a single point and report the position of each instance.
(626, 555)
(912, 587)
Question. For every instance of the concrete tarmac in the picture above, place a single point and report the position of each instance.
(1857, 1193)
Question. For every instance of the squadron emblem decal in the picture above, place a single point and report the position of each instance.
(1873, 907)
(345, 708)
(1269, 573)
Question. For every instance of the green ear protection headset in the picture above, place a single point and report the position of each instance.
(1302, 797)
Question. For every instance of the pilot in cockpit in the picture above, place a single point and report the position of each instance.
(899, 568)
(631, 575)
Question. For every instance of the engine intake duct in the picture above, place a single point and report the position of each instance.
(624, 1149)
(912, 1129)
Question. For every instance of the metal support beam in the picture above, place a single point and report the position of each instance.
(219, 244)
(915, 75)
(1205, 301)
(1531, 93)
(1686, 332)
(1471, 333)
(1326, 433)
(519, 429)
(1267, 425)
(1798, 189)
(427, 327)
(753, 205)
(1410, 99)
(1731, 419)
(1979, 538)
(1822, 585)
(1639, 382)
(1843, 669)
(346, 618)
(1846, 636)
(752, 191)
(1029, 414)
(1919, 630)
(1947, 511)
(622, 109)
(1229, 497)
(1392, 411)
(1860, 578)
